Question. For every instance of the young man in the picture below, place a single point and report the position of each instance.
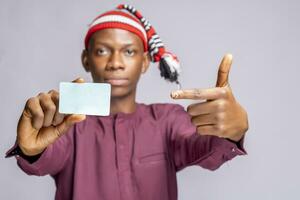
(135, 152)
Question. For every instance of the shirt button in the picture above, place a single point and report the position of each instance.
(233, 149)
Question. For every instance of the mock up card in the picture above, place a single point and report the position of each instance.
(84, 98)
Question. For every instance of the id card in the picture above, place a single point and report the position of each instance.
(84, 98)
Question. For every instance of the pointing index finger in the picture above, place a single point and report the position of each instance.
(200, 94)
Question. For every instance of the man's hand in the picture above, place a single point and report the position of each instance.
(220, 115)
(41, 124)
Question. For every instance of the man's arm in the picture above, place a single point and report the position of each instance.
(50, 161)
(190, 148)
(219, 124)
(42, 144)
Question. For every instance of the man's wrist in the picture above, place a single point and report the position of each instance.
(16, 151)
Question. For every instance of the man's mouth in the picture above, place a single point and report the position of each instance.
(117, 81)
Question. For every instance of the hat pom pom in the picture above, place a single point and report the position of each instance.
(169, 67)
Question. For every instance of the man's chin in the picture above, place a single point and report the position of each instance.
(119, 92)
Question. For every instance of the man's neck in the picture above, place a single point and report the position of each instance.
(125, 104)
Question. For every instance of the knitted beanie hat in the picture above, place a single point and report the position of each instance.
(126, 17)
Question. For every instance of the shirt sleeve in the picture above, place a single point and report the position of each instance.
(16, 151)
(50, 161)
(190, 148)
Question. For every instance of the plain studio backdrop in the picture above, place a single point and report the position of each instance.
(41, 44)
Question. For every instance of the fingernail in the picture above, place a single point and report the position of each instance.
(175, 94)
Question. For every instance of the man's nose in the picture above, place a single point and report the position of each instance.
(115, 62)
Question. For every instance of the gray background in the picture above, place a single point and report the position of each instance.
(41, 42)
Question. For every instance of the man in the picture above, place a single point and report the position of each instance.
(135, 152)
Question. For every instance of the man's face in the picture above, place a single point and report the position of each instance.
(117, 57)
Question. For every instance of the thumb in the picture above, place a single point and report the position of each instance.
(68, 122)
(223, 71)
(78, 80)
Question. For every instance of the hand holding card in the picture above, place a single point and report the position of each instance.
(41, 123)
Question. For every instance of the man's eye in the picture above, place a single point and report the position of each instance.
(102, 52)
(129, 52)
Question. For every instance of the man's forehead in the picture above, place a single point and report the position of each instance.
(114, 35)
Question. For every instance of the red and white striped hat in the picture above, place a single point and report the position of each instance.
(133, 21)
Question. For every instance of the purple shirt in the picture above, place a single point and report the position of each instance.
(129, 156)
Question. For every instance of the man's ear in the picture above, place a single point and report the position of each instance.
(84, 60)
(146, 62)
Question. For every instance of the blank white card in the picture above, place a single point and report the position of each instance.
(84, 98)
